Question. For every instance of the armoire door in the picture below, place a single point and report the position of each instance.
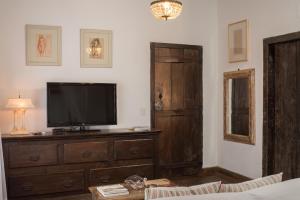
(286, 108)
(282, 129)
(297, 135)
(176, 104)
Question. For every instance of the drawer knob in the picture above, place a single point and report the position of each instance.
(86, 154)
(34, 158)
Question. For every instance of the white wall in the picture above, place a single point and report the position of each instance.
(133, 29)
(267, 18)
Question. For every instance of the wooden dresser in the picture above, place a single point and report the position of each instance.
(69, 163)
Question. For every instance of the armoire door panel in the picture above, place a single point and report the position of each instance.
(177, 81)
(285, 109)
(163, 84)
(178, 137)
(297, 135)
(169, 55)
(164, 123)
(298, 158)
(192, 55)
(192, 143)
(192, 92)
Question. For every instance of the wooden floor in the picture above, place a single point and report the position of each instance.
(210, 175)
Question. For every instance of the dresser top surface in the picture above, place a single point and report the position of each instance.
(79, 134)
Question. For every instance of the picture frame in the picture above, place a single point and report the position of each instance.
(238, 34)
(43, 45)
(95, 48)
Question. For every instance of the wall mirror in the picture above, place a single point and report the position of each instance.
(239, 106)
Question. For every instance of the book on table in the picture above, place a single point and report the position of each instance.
(113, 190)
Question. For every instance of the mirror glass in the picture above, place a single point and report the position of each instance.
(239, 106)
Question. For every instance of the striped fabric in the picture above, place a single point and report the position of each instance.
(249, 185)
(163, 192)
(206, 188)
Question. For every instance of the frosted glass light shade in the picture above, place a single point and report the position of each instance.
(166, 9)
(19, 103)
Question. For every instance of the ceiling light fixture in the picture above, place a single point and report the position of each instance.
(166, 9)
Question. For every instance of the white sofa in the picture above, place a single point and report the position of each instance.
(287, 190)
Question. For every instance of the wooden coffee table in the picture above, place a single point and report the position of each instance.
(133, 194)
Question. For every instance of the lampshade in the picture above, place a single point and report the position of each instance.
(19, 103)
(166, 9)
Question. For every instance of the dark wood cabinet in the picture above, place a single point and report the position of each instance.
(176, 105)
(66, 163)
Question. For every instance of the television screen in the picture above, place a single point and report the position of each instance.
(81, 104)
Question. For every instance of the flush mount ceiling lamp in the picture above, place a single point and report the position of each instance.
(166, 9)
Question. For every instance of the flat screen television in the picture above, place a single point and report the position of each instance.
(81, 104)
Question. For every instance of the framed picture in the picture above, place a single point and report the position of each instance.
(96, 48)
(43, 45)
(238, 41)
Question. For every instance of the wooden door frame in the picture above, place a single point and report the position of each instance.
(269, 97)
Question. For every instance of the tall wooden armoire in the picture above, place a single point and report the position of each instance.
(176, 106)
(281, 141)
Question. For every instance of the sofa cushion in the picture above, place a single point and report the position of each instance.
(249, 185)
(164, 192)
(206, 188)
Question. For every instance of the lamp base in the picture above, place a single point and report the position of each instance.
(19, 127)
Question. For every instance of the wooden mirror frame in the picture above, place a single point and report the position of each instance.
(250, 75)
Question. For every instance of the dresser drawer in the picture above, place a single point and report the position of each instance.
(29, 155)
(45, 184)
(86, 152)
(119, 174)
(133, 149)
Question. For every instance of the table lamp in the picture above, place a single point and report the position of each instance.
(19, 106)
